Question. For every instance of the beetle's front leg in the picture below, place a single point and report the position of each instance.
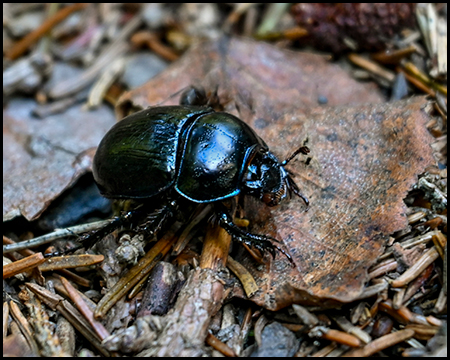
(261, 242)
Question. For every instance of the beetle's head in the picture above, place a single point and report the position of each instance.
(267, 179)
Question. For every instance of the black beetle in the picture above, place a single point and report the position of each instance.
(194, 153)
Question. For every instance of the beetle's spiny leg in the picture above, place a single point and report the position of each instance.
(289, 257)
(63, 252)
(155, 221)
(88, 240)
(261, 242)
(303, 197)
(261, 245)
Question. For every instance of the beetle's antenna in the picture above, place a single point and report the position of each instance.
(302, 149)
(292, 186)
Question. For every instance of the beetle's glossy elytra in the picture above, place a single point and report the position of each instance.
(137, 158)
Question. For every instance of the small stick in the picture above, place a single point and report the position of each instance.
(382, 343)
(414, 271)
(58, 234)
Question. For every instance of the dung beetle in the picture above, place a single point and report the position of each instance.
(191, 152)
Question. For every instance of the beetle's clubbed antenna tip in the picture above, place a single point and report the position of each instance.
(302, 149)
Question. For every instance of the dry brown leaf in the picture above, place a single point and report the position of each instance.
(258, 78)
(365, 159)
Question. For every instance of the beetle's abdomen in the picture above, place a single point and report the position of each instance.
(217, 152)
(137, 157)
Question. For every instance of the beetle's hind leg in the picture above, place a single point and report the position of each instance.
(141, 219)
(261, 242)
(156, 219)
(88, 240)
